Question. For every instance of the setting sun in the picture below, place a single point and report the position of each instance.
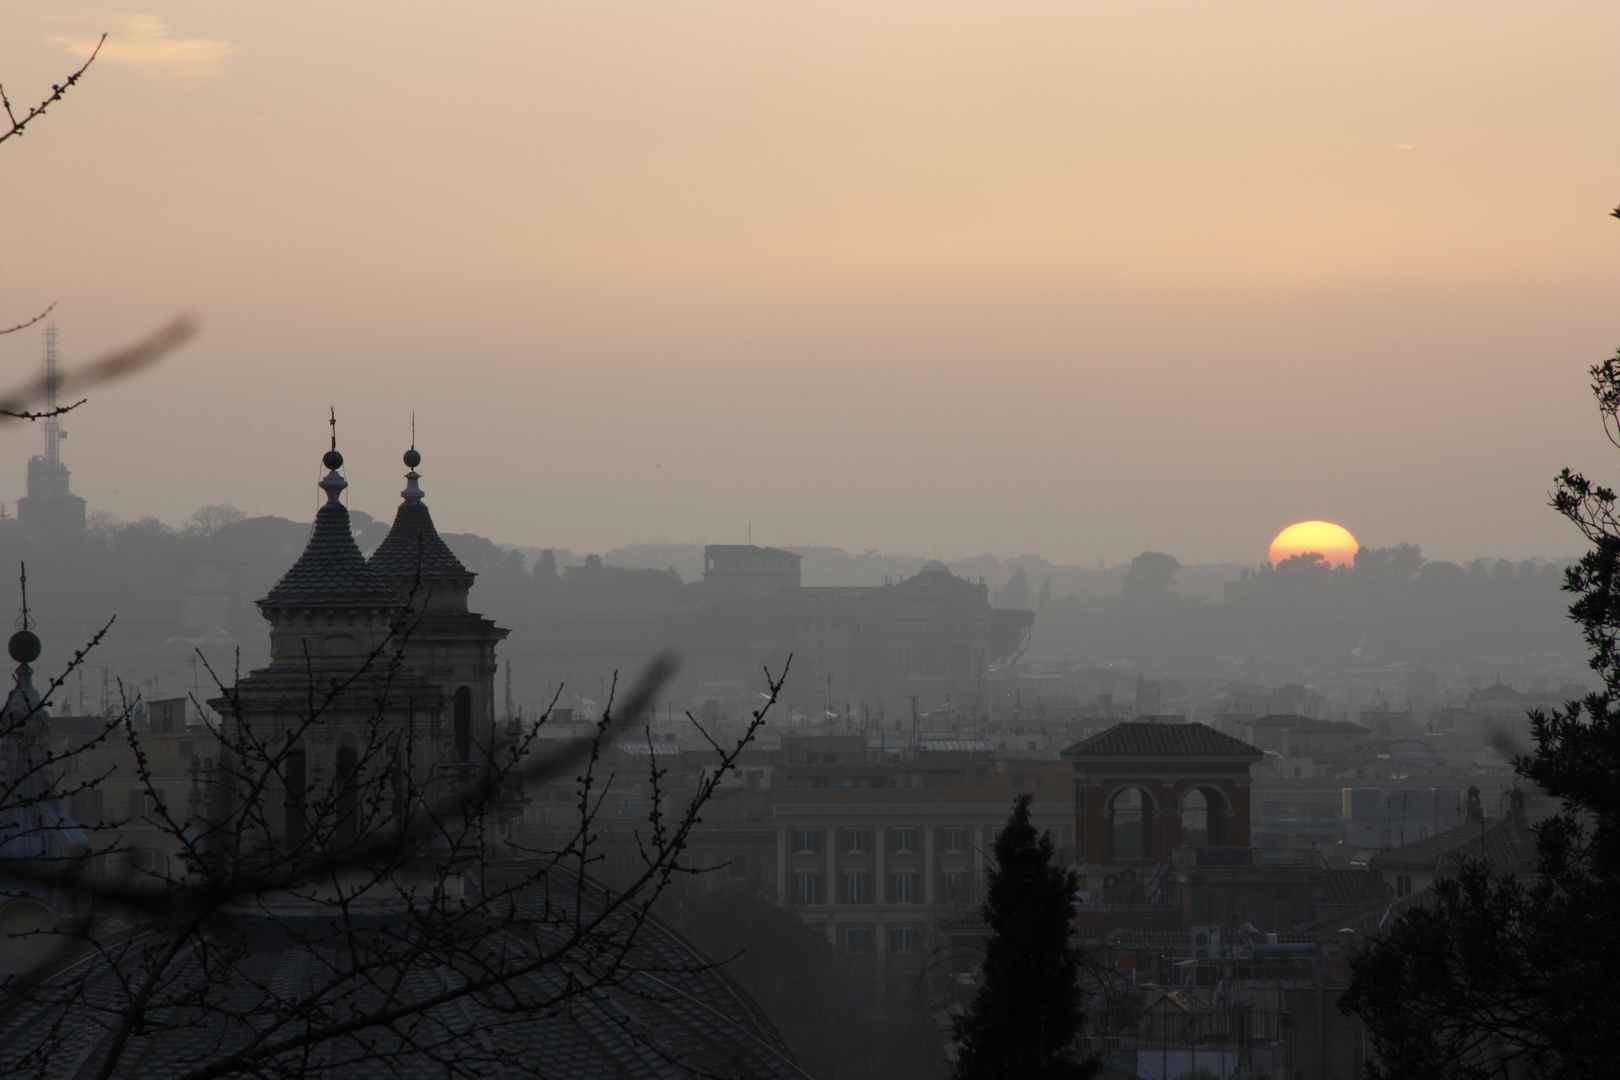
(1333, 542)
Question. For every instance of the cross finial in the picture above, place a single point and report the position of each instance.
(25, 621)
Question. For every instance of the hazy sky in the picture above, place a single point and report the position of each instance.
(1074, 278)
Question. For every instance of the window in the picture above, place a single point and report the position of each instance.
(857, 841)
(1403, 885)
(953, 886)
(858, 941)
(902, 939)
(85, 806)
(902, 841)
(806, 887)
(739, 867)
(857, 887)
(463, 723)
(807, 841)
(188, 748)
(295, 826)
(903, 887)
(144, 805)
(953, 841)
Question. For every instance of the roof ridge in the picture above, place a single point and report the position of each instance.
(1193, 739)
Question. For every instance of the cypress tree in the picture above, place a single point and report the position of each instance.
(1026, 1013)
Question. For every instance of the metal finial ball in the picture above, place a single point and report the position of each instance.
(333, 460)
(24, 646)
(412, 458)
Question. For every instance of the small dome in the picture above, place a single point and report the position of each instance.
(24, 646)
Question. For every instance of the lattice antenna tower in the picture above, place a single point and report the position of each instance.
(53, 426)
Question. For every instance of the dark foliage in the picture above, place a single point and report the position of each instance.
(1152, 573)
(1490, 975)
(1026, 1014)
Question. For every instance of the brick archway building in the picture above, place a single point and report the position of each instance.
(1164, 765)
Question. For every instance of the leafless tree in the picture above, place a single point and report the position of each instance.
(346, 899)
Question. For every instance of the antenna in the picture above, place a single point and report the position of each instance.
(53, 426)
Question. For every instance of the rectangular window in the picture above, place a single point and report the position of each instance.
(903, 887)
(953, 886)
(902, 841)
(85, 806)
(807, 887)
(739, 867)
(857, 887)
(857, 841)
(858, 941)
(807, 841)
(902, 939)
(953, 841)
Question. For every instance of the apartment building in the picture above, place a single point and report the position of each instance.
(881, 849)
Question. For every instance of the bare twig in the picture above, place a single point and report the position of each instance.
(57, 90)
(30, 322)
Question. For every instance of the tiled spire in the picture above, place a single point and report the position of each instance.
(331, 570)
(413, 547)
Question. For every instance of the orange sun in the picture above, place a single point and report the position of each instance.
(1333, 542)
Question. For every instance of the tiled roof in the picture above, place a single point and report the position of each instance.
(1499, 844)
(1306, 723)
(413, 547)
(331, 570)
(1162, 740)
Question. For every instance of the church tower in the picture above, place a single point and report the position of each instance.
(333, 691)
(445, 644)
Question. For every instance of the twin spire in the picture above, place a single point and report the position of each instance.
(332, 571)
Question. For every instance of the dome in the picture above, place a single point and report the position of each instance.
(671, 1014)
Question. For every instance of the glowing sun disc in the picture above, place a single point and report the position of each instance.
(1333, 542)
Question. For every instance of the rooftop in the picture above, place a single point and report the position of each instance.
(331, 570)
(1307, 723)
(1162, 741)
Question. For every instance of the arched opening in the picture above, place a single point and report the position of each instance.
(348, 797)
(296, 824)
(463, 721)
(1195, 820)
(1128, 816)
(1203, 812)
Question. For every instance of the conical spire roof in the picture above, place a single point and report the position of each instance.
(331, 570)
(413, 546)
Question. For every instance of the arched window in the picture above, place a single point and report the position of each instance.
(1195, 820)
(297, 826)
(463, 720)
(1128, 824)
(348, 797)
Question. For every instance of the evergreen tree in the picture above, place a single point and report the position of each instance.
(1491, 975)
(1026, 1014)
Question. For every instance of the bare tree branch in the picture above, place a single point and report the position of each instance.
(57, 90)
